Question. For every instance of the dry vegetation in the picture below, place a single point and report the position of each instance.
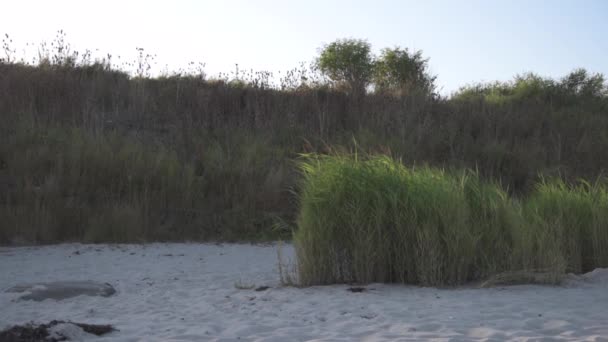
(89, 152)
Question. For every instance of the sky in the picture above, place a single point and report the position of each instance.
(467, 41)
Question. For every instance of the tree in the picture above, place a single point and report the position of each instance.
(580, 82)
(348, 62)
(400, 72)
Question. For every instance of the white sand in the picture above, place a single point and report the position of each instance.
(186, 292)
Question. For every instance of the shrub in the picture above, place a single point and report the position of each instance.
(400, 72)
(348, 61)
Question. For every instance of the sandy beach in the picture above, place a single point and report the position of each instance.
(207, 292)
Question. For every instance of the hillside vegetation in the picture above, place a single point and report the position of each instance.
(91, 152)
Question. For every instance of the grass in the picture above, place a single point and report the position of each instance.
(90, 152)
(91, 187)
(576, 217)
(63, 183)
(369, 219)
(243, 285)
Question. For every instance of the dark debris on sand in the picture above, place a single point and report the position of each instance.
(40, 332)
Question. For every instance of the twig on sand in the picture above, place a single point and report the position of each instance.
(541, 276)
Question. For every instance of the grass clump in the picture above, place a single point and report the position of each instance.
(575, 218)
(372, 219)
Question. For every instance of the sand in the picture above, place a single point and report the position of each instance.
(206, 292)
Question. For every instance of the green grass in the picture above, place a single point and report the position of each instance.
(576, 218)
(369, 219)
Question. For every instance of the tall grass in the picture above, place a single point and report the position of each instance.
(86, 146)
(576, 217)
(512, 140)
(371, 219)
(61, 183)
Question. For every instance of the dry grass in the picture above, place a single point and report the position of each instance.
(523, 277)
(67, 184)
(89, 151)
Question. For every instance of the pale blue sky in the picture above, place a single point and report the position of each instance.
(467, 41)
